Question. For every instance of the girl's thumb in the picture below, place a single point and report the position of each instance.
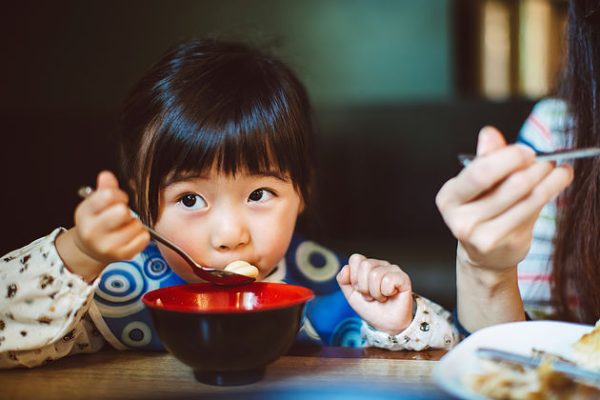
(107, 180)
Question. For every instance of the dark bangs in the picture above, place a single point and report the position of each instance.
(214, 104)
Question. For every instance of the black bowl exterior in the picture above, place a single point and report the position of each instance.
(228, 342)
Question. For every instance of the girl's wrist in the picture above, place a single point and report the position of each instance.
(399, 325)
(76, 260)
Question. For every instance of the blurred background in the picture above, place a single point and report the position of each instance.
(399, 87)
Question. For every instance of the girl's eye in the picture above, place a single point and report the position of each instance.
(261, 195)
(192, 201)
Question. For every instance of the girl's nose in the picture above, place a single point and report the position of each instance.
(229, 233)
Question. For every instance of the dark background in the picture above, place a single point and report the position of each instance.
(385, 77)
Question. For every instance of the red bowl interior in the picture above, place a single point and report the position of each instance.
(209, 298)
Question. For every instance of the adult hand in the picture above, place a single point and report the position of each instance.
(493, 203)
(379, 292)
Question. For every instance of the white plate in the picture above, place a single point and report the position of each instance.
(517, 337)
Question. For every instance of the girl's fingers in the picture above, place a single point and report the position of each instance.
(488, 234)
(91, 225)
(383, 280)
(135, 245)
(374, 278)
(343, 277)
(354, 262)
(106, 194)
(482, 174)
(102, 199)
(500, 199)
(394, 282)
(116, 245)
(366, 267)
(106, 180)
(113, 217)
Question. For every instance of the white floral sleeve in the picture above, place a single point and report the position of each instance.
(43, 307)
(431, 327)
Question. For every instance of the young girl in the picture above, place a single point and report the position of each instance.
(519, 255)
(216, 153)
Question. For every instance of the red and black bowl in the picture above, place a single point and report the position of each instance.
(228, 335)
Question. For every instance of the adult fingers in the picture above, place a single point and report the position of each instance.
(487, 235)
(494, 203)
(482, 174)
(489, 140)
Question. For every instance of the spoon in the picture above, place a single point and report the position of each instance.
(560, 155)
(216, 276)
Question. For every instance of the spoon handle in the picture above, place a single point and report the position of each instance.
(156, 236)
(560, 155)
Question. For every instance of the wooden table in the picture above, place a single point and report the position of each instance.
(304, 373)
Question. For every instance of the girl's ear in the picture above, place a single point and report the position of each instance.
(302, 206)
(303, 200)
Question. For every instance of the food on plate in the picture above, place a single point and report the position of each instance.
(509, 380)
(243, 268)
(586, 351)
(503, 380)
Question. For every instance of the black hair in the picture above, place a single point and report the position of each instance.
(214, 103)
(577, 242)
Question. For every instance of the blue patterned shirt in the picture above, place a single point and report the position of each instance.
(126, 323)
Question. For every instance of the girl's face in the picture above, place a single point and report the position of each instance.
(219, 218)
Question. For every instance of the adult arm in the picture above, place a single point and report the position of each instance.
(491, 207)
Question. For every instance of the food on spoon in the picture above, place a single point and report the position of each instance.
(243, 268)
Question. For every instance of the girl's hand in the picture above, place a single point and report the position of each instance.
(104, 231)
(492, 205)
(379, 292)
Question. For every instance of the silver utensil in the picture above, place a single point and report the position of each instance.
(564, 367)
(216, 276)
(559, 155)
